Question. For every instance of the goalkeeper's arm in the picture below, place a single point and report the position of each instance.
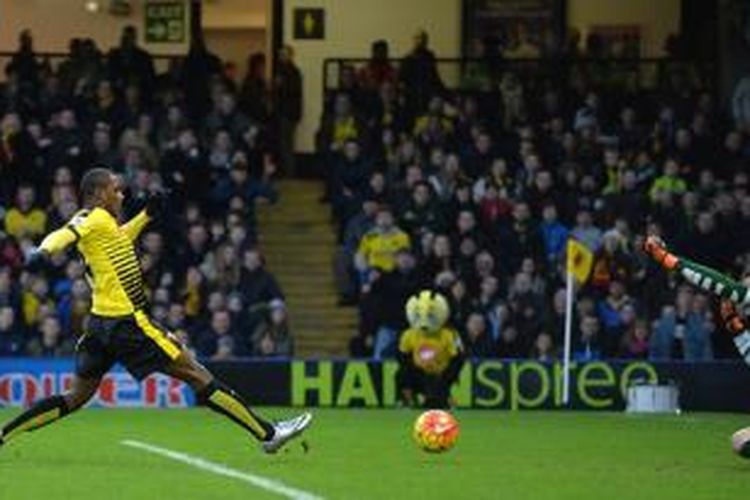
(737, 326)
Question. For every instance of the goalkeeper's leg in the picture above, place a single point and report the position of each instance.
(50, 409)
(737, 326)
(701, 276)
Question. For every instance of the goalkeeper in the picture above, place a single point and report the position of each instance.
(430, 352)
(730, 291)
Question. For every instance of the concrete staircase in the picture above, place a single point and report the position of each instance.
(299, 242)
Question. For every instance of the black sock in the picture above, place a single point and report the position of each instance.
(224, 400)
(44, 412)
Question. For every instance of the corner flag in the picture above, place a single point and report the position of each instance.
(580, 260)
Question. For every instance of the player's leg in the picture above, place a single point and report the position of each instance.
(92, 362)
(737, 326)
(701, 276)
(144, 347)
(222, 399)
(51, 409)
(218, 396)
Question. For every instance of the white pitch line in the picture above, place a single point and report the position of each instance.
(222, 470)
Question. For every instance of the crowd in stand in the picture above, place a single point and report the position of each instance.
(190, 130)
(475, 193)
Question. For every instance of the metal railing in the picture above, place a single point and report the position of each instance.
(54, 59)
(481, 75)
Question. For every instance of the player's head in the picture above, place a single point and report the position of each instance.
(101, 188)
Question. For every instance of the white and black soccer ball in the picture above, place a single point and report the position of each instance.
(741, 442)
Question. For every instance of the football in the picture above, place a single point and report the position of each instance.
(436, 431)
(741, 442)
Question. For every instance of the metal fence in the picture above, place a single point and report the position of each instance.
(481, 75)
(54, 59)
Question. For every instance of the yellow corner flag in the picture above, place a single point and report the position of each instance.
(580, 260)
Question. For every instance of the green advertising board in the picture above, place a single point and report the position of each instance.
(166, 22)
(512, 385)
(499, 384)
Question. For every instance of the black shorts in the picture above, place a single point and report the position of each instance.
(134, 341)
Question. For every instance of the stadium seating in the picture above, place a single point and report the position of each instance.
(489, 173)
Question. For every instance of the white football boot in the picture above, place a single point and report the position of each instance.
(285, 431)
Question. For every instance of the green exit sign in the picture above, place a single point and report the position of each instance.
(165, 22)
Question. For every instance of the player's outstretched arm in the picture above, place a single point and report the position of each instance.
(699, 275)
(57, 241)
(54, 242)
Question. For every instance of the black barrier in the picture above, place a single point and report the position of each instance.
(499, 384)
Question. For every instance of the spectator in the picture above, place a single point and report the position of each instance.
(11, 332)
(554, 236)
(226, 117)
(272, 338)
(544, 349)
(199, 69)
(683, 331)
(587, 345)
(50, 343)
(254, 97)
(378, 248)
(419, 73)
(24, 66)
(24, 219)
(610, 311)
(520, 238)
(384, 301)
(16, 152)
(477, 340)
(339, 126)
(611, 262)
(130, 64)
(378, 70)
(669, 182)
(635, 342)
(218, 341)
(73, 306)
(510, 345)
(257, 286)
(586, 232)
(288, 104)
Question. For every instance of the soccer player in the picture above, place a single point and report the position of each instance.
(119, 329)
(430, 353)
(712, 281)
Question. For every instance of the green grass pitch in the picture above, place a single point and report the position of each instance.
(363, 454)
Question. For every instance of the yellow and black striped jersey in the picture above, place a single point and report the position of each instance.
(111, 262)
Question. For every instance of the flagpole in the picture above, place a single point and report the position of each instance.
(568, 327)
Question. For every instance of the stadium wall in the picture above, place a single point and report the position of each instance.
(351, 26)
(657, 19)
(489, 384)
(54, 22)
